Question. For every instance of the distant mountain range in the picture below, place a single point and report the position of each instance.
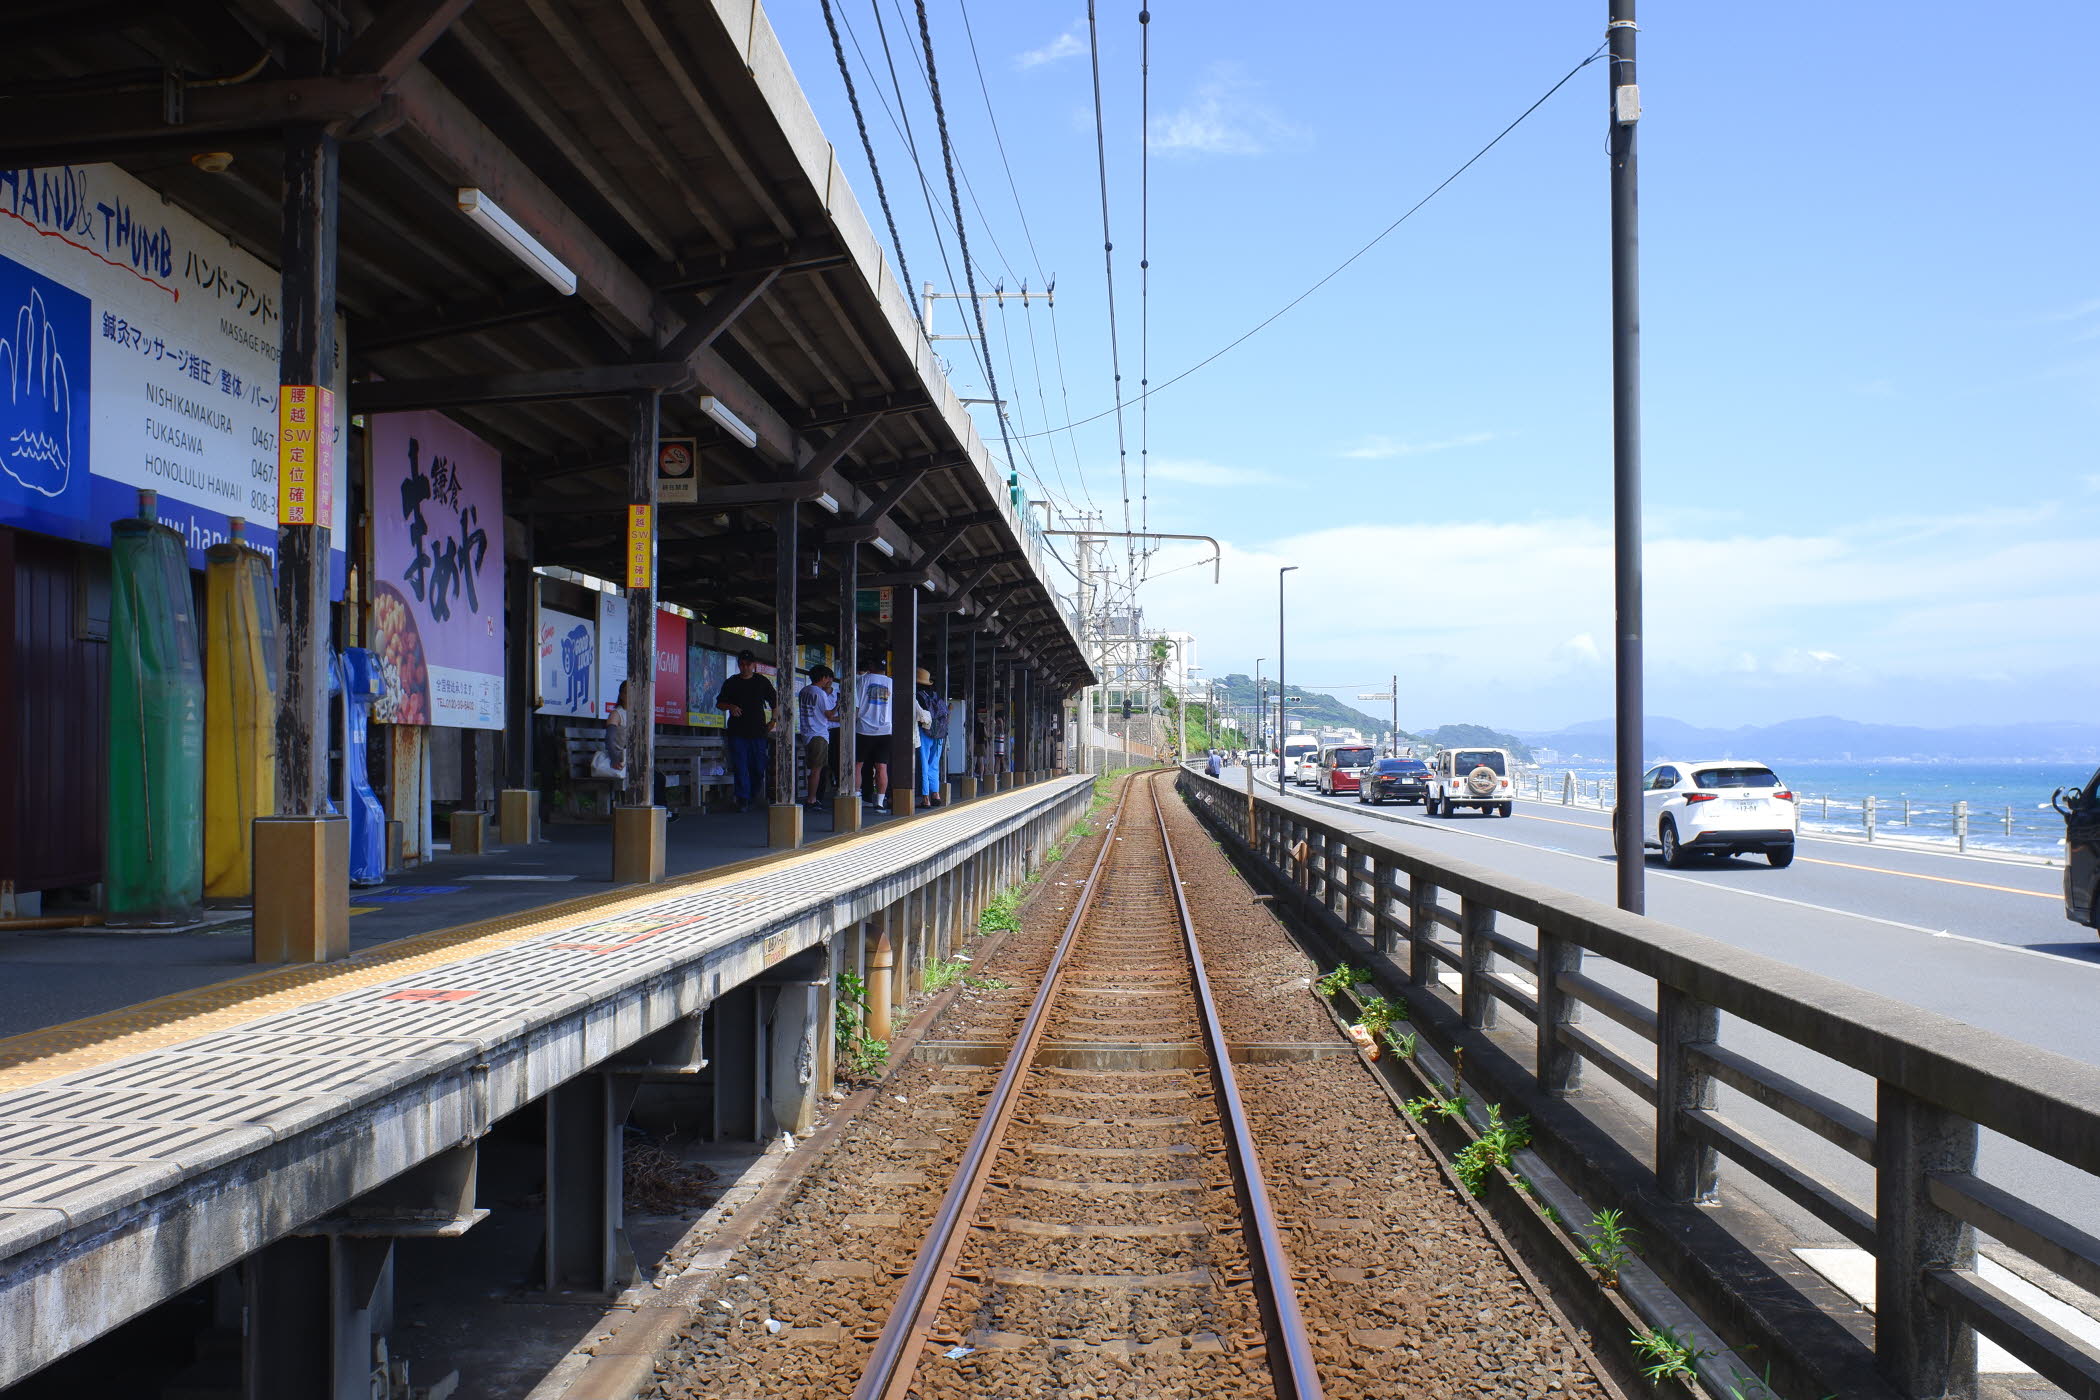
(1837, 740)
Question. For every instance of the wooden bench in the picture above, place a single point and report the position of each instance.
(687, 765)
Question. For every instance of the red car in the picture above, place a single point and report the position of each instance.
(1342, 767)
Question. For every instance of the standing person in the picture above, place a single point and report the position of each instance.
(930, 710)
(816, 716)
(1214, 768)
(748, 699)
(871, 723)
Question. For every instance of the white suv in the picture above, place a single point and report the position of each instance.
(1470, 778)
(1721, 806)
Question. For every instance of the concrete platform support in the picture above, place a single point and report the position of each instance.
(845, 811)
(302, 889)
(470, 833)
(784, 826)
(735, 1055)
(586, 1248)
(316, 1306)
(518, 816)
(882, 964)
(640, 835)
(965, 788)
(794, 1030)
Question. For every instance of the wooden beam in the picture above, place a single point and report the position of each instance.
(397, 39)
(704, 322)
(824, 415)
(528, 386)
(40, 130)
(827, 458)
(892, 495)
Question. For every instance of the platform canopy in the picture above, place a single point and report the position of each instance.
(663, 155)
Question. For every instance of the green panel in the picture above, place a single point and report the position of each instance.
(154, 870)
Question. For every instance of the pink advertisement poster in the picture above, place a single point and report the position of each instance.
(437, 572)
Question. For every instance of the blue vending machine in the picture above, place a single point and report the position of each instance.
(367, 818)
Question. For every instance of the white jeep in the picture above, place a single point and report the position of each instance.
(1470, 778)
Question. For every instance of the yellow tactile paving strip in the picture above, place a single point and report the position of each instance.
(37, 1056)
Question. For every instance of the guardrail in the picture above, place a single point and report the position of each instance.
(1855, 819)
(1936, 1082)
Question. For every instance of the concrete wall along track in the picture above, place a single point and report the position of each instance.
(124, 1184)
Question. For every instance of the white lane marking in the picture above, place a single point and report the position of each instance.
(2087, 963)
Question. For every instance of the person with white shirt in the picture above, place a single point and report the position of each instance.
(872, 697)
(817, 707)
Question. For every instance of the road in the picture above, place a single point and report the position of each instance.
(1981, 941)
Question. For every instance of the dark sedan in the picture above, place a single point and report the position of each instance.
(1395, 780)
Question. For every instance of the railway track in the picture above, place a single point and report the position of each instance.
(1108, 1230)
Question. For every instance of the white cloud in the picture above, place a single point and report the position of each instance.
(1066, 45)
(1509, 622)
(1377, 447)
(1200, 473)
(1224, 117)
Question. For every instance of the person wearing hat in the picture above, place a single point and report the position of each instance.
(817, 708)
(930, 710)
(748, 698)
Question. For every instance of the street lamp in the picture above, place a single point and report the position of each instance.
(1280, 730)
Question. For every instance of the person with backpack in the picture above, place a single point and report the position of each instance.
(872, 694)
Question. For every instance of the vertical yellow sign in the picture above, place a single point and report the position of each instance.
(305, 454)
(641, 548)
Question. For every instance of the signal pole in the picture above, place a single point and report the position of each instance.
(1625, 112)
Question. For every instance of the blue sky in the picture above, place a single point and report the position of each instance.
(1871, 325)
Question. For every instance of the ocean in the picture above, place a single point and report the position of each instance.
(1931, 790)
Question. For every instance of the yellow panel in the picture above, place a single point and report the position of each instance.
(240, 714)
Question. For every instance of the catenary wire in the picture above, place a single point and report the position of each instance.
(1340, 267)
(882, 195)
(1108, 259)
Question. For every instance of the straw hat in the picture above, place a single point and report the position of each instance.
(925, 676)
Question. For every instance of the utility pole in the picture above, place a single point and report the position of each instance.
(1625, 112)
(1282, 729)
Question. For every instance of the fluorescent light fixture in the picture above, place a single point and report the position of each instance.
(926, 584)
(736, 427)
(828, 502)
(512, 235)
(889, 551)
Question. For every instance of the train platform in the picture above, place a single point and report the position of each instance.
(297, 1120)
(66, 974)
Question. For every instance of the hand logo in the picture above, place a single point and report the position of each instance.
(36, 414)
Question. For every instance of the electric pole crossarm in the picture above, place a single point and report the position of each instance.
(1217, 562)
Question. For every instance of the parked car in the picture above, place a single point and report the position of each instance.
(1342, 767)
(1395, 780)
(2081, 813)
(1717, 807)
(1471, 778)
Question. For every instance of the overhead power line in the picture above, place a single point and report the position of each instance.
(1333, 273)
(867, 146)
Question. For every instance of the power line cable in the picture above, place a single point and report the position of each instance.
(1339, 268)
(1145, 272)
(1108, 259)
(867, 146)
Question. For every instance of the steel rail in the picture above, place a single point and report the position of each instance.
(895, 1356)
(1294, 1371)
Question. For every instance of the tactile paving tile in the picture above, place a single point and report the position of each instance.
(274, 1048)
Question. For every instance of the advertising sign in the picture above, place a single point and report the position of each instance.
(670, 668)
(677, 471)
(138, 349)
(568, 648)
(612, 649)
(705, 670)
(437, 572)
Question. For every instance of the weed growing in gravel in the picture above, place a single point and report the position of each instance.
(1378, 1014)
(1341, 980)
(940, 976)
(1607, 1247)
(1669, 1356)
(1433, 1106)
(1002, 915)
(1496, 1146)
(861, 1056)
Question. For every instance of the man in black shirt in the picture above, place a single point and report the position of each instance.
(748, 698)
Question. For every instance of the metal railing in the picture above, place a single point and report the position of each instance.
(1510, 945)
(1869, 818)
